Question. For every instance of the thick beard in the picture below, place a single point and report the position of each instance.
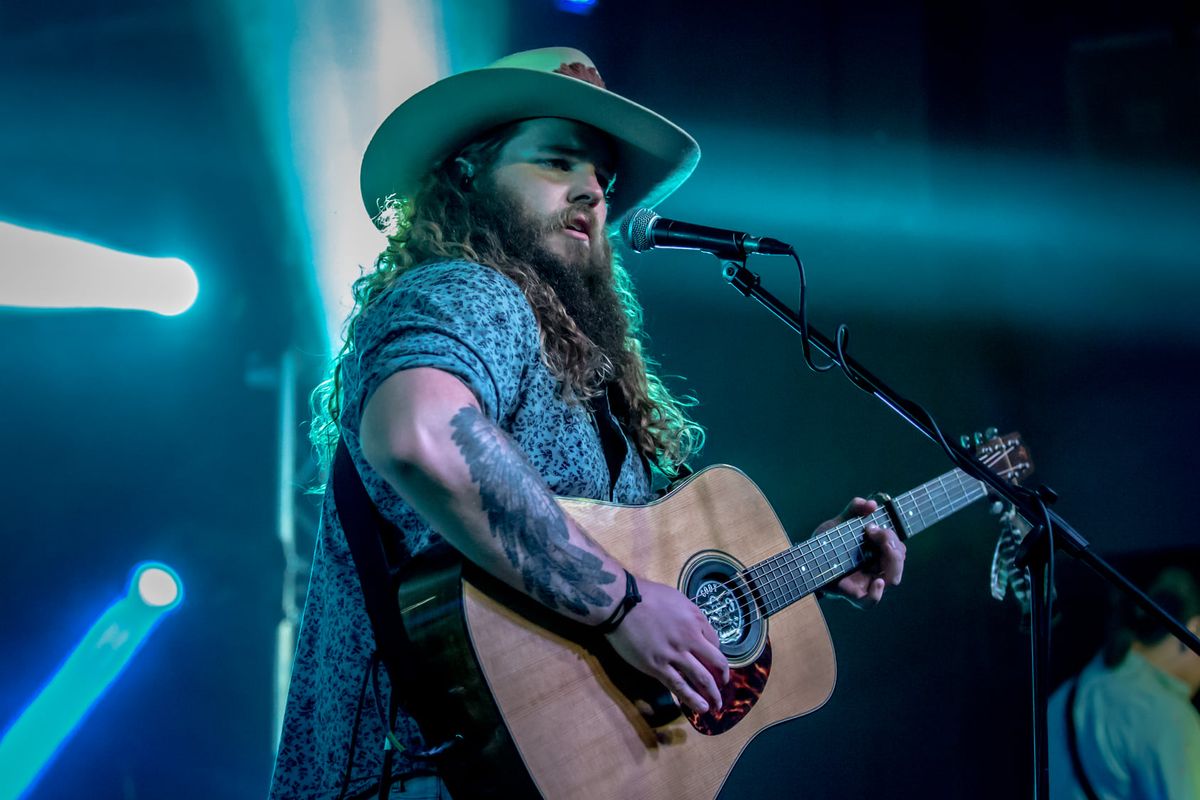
(583, 281)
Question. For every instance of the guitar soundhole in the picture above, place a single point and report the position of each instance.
(714, 582)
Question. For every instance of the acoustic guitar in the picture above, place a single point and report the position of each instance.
(537, 705)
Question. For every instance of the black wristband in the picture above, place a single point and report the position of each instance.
(632, 598)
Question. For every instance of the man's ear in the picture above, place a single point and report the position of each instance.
(466, 173)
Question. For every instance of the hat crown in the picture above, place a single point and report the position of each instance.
(561, 60)
(655, 156)
(544, 59)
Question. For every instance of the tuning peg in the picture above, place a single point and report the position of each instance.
(964, 440)
(978, 438)
(991, 433)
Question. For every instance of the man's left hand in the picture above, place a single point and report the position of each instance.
(865, 585)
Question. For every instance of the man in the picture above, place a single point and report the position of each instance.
(1137, 734)
(493, 361)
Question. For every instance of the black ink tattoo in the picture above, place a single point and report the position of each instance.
(531, 527)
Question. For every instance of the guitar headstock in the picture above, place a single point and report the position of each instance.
(1008, 457)
(1004, 455)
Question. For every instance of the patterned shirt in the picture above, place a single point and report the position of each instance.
(474, 323)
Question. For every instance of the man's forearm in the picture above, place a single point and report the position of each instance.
(465, 477)
(532, 531)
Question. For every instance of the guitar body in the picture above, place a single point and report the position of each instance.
(526, 688)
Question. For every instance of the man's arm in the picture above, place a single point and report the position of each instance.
(423, 431)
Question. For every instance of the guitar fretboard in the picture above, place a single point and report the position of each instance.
(800, 570)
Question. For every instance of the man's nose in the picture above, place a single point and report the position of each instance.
(586, 187)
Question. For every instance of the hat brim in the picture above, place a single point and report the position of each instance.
(654, 156)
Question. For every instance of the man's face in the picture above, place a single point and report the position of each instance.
(544, 198)
(558, 171)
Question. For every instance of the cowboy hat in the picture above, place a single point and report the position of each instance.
(654, 156)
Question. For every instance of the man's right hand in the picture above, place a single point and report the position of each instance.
(667, 637)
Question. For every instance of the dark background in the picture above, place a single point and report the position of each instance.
(999, 198)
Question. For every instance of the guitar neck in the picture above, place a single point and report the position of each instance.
(800, 570)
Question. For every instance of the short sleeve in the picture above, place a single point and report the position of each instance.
(463, 318)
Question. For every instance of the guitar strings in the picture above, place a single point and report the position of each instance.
(842, 548)
(844, 543)
(781, 587)
(778, 590)
(843, 534)
(772, 588)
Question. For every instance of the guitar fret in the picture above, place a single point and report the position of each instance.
(790, 575)
(935, 500)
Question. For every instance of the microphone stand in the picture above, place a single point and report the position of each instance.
(1050, 531)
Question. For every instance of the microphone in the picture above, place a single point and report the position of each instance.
(644, 230)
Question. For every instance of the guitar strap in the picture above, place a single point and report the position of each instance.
(363, 526)
(1073, 745)
(615, 444)
(454, 754)
(610, 412)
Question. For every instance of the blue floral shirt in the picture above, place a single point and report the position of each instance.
(473, 322)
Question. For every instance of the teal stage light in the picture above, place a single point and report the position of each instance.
(34, 738)
(43, 270)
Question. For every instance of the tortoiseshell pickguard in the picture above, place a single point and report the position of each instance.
(737, 697)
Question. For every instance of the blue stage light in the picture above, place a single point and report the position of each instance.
(34, 738)
(576, 6)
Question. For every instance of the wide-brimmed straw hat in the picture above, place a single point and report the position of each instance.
(654, 156)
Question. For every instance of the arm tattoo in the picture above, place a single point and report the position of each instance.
(531, 527)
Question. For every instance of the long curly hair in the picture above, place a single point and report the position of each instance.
(439, 223)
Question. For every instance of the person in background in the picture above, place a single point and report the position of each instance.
(1136, 731)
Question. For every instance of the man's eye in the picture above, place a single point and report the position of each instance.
(557, 163)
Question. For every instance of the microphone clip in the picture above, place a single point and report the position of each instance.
(736, 274)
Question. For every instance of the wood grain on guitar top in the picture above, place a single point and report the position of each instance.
(578, 734)
(525, 686)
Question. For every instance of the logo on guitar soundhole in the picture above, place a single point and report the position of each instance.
(724, 613)
(718, 585)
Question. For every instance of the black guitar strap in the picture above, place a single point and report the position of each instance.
(450, 751)
(1073, 745)
(363, 526)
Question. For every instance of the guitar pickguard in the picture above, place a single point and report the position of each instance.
(745, 686)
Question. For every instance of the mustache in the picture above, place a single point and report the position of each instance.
(560, 220)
